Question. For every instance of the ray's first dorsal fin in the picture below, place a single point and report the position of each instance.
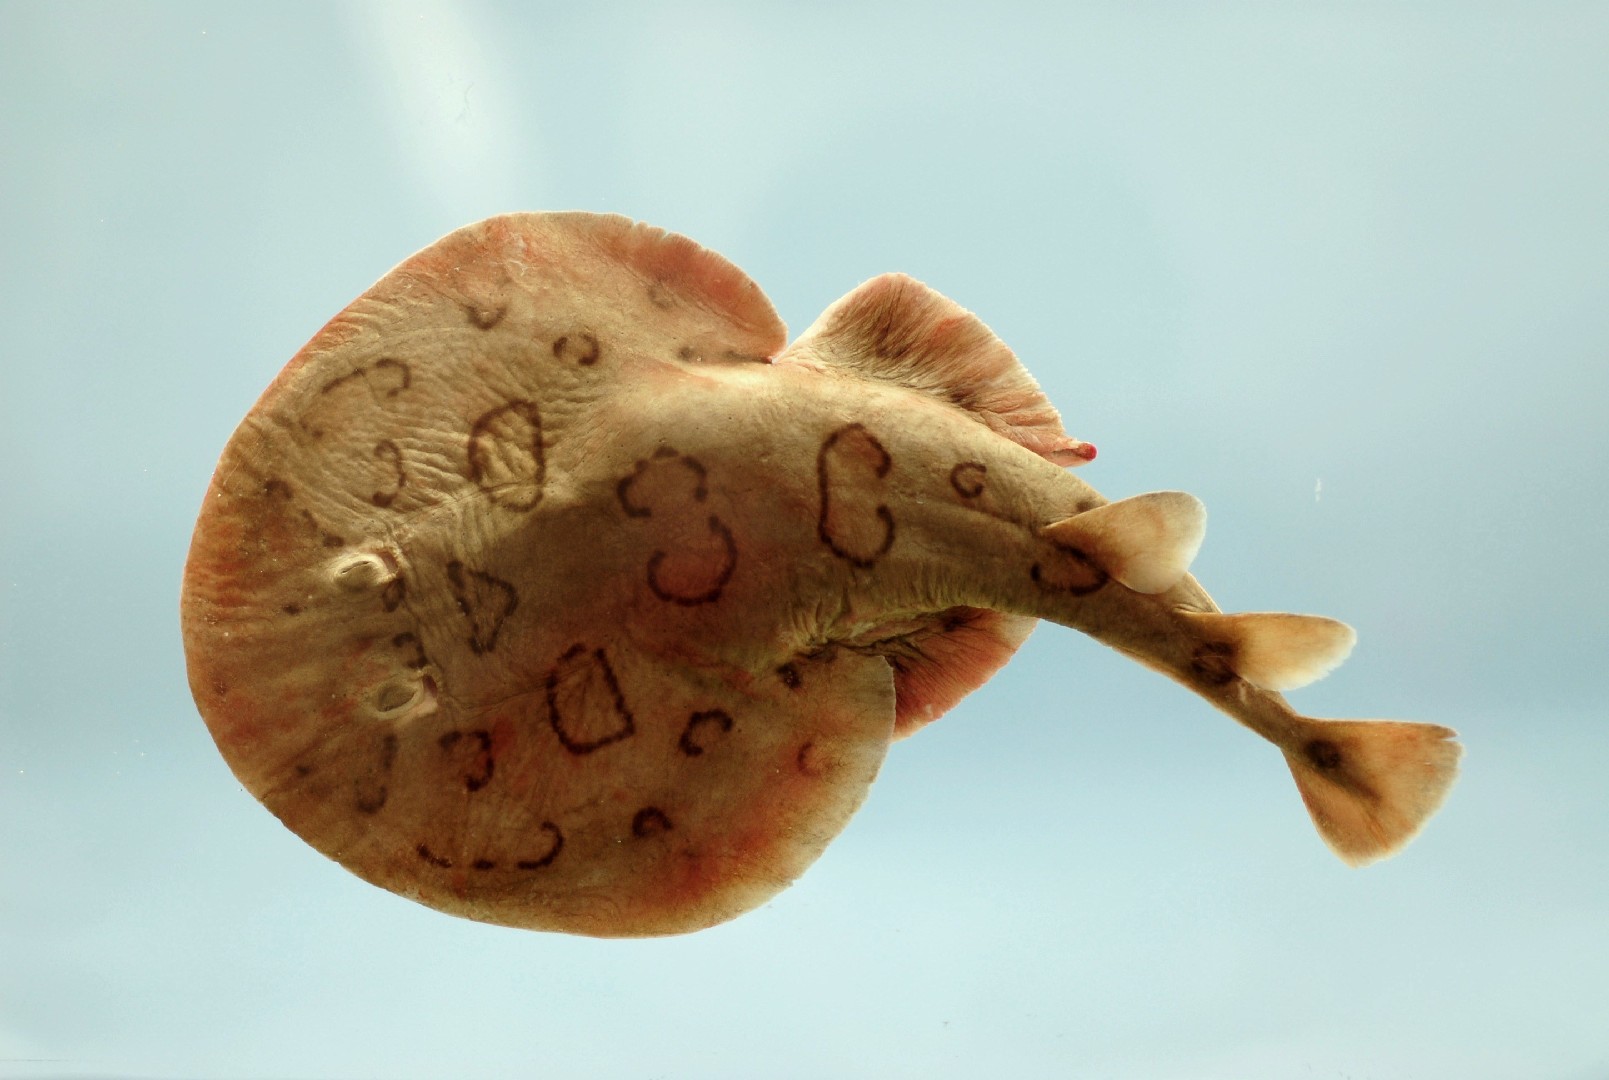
(896, 329)
(1146, 542)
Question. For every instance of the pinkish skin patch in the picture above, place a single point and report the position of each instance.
(1077, 453)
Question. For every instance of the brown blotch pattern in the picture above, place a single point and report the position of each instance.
(417, 658)
(388, 453)
(850, 524)
(698, 732)
(506, 457)
(485, 316)
(484, 600)
(812, 761)
(702, 553)
(370, 792)
(327, 538)
(438, 861)
(1072, 572)
(578, 348)
(1213, 663)
(556, 846)
(1324, 754)
(395, 591)
(585, 706)
(383, 380)
(790, 676)
(477, 747)
(649, 821)
(967, 479)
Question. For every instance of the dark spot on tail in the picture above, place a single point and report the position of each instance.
(650, 821)
(1213, 663)
(1324, 754)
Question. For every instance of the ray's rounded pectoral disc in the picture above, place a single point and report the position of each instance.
(403, 606)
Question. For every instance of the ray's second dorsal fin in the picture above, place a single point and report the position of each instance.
(896, 329)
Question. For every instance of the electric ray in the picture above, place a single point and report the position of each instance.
(549, 586)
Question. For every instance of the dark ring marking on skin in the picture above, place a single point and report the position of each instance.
(824, 485)
(581, 348)
(418, 659)
(404, 373)
(392, 595)
(967, 479)
(387, 451)
(432, 858)
(693, 465)
(802, 760)
(1324, 754)
(327, 538)
(649, 821)
(490, 470)
(292, 609)
(717, 528)
(485, 317)
(690, 745)
(1213, 663)
(553, 852)
(402, 369)
(728, 565)
(276, 489)
(600, 662)
(478, 594)
(395, 370)
(790, 676)
(473, 781)
(369, 800)
(1100, 576)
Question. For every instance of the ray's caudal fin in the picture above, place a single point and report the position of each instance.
(1371, 784)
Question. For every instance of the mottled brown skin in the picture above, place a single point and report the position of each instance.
(534, 591)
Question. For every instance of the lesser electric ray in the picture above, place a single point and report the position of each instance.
(549, 586)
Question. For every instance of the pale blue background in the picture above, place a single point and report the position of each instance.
(1341, 270)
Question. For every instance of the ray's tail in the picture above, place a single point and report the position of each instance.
(1371, 784)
